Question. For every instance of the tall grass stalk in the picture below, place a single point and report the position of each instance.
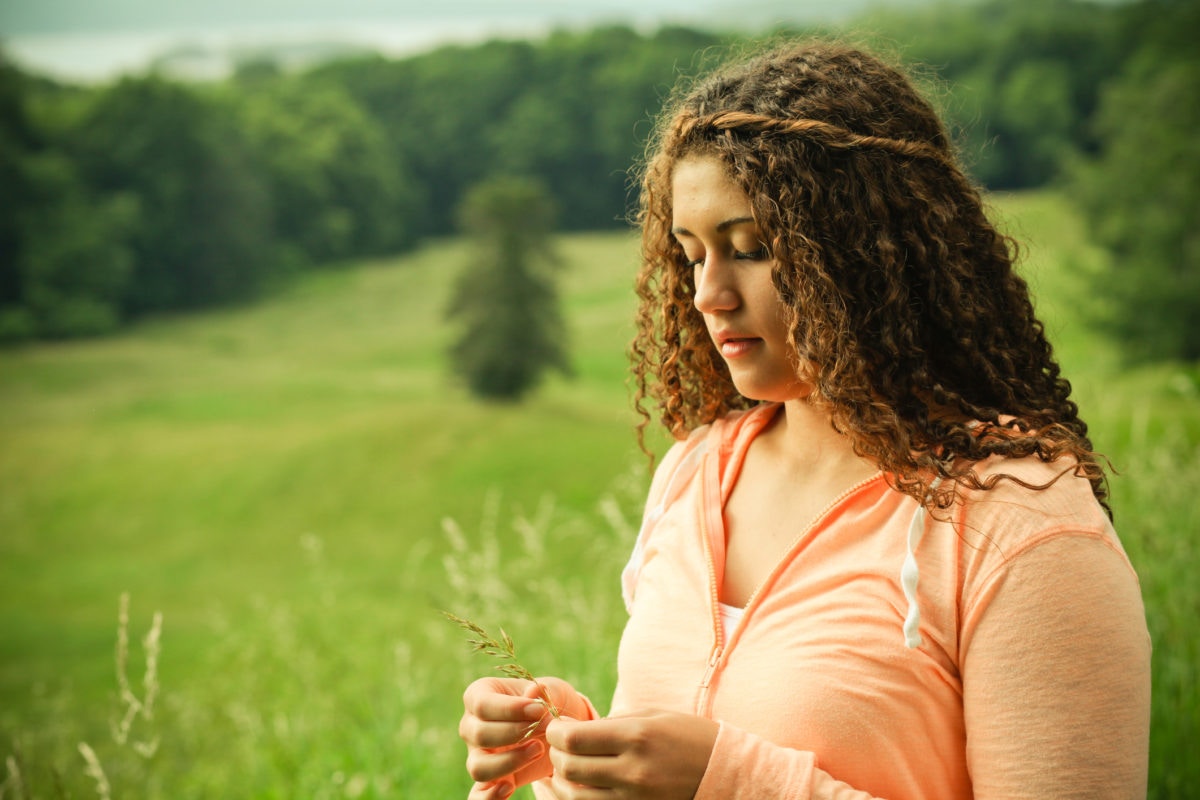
(136, 706)
(13, 786)
(94, 771)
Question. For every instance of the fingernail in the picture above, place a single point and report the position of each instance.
(506, 791)
(534, 711)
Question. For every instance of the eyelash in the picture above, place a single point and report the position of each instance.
(758, 255)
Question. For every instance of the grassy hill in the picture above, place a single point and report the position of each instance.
(299, 486)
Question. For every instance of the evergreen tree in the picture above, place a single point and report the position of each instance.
(505, 299)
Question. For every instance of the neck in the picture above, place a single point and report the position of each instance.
(806, 444)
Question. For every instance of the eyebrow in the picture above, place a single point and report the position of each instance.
(721, 226)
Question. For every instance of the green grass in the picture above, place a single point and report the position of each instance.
(274, 479)
(277, 481)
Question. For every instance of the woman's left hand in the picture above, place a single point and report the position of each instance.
(654, 754)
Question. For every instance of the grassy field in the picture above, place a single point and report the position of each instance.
(299, 486)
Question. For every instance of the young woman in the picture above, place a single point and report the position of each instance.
(878, 562)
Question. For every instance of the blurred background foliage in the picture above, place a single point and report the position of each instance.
(148, 194)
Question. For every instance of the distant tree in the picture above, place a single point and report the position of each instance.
(204, 235)
(505, 300)
(1142, 194)
(64, 258)
(1023, 76)
(74, 263)
(336, 191)
(437, 110)
(572, 110)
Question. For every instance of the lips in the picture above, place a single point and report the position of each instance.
(733, 344)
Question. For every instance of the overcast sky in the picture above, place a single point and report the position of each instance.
(21, 17)
(97, 39)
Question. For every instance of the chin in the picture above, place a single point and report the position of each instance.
(774, 393)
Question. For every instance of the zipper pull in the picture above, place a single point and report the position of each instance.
(712, 667)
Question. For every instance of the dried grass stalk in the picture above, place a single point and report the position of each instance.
(505, 650)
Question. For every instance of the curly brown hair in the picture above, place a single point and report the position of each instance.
(919, 336)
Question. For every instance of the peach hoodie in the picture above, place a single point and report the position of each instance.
(1030, 673)
(1030, 679)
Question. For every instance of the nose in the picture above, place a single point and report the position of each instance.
(714, 287)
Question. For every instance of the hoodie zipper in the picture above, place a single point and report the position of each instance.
(714, 599)
(718, 649)
(703, 696)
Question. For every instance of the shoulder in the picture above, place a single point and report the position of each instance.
(1030, 504)
(1020, 494)
(680, 451)
(1037, 536)
(677, 465)
(717, 434)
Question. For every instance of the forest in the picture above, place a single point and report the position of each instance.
(151, 194)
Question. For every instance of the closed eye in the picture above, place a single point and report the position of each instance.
(760, 254)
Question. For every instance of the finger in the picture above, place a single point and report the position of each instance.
(563, 697)
(491, 765)
(597, 771)
(602, 737)
(497, 720)
(492, 690)
(542, 694)
(500, 790)
(492, 684)
(501, 699)
(477, 732)
(565, 789)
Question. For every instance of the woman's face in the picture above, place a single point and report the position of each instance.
(713, 222)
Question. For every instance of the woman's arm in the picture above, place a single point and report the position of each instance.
(1056, 677)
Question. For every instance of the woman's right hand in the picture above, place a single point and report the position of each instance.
(501, 753)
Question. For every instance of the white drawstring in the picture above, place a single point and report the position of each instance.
(910, 575)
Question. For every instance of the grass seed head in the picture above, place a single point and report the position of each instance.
(506, 650)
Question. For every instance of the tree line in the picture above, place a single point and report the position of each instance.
(151, 194)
